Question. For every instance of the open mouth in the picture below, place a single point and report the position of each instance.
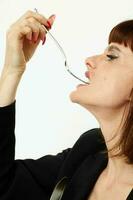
(83, 85)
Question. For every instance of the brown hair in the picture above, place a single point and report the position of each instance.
(122, 33)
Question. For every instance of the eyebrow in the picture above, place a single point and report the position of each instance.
(113, 47)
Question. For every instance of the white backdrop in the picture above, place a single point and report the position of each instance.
(46, 120)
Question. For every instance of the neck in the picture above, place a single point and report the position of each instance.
(111, 122)
(118, 171)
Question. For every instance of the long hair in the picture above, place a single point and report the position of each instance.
(122, 33)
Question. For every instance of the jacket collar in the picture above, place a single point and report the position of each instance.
(79, 186)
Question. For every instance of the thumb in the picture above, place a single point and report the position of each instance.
(51, 19)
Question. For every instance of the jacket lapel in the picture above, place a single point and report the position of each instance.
(80, 170)
(83, 180)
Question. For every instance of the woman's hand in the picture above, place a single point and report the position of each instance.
(22, 39)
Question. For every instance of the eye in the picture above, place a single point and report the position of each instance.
(111, 57)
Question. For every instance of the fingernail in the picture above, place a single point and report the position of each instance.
(44, 41)
(49, 24)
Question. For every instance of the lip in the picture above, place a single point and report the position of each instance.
(87, 74)
(81, 85)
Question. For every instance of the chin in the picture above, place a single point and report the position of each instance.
(80, 98)
(75, 97)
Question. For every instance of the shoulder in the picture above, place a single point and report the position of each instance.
(90, 142)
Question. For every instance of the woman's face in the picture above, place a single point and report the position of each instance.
(111, 78)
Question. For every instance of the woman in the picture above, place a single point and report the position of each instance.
(100, 164)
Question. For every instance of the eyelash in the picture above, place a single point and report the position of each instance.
(111, 57)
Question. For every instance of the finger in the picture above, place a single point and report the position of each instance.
(41, 34)
(33, 26)
(36, 27)
(35, 30)
(51, 19)
(40, 18)
(26, 30)
(29, 36)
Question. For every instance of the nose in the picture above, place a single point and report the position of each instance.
(90, 62)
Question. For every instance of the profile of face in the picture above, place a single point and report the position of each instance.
(111, 77)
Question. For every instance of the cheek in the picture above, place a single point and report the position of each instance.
(120, 91)
(114, 93)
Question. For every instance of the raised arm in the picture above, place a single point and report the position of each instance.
(29, 178)
(22, 39)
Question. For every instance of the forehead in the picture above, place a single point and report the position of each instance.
(119, 48)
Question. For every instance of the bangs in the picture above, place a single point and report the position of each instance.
(122, 34)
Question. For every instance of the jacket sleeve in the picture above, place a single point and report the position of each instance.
(17, 174)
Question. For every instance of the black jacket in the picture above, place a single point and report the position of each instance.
(69, 175)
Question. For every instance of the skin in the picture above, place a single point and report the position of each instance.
(106, 98)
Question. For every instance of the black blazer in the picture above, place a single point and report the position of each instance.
(69, 175)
